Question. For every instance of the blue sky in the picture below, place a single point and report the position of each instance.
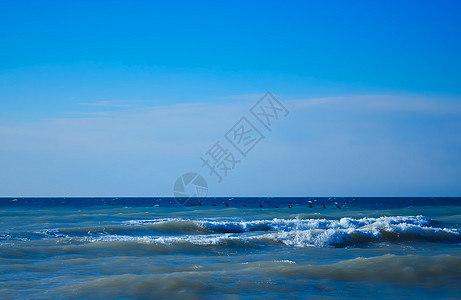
(118, 98)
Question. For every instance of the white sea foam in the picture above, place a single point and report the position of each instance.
(303, 232)
(168, 240)
(285, 261)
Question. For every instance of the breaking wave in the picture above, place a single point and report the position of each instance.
(298, 232)
(293, 232)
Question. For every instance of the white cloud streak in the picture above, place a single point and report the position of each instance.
(106, 103)
(326, 146)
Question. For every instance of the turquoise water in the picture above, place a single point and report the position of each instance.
(154, 248)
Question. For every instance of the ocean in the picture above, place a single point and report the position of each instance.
(231, 248)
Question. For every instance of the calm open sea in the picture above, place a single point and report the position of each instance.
(57, 248)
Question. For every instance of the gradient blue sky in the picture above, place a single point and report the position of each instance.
(118, 98)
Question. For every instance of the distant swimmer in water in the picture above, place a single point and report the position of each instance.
(244, 205)
(336, 203)
(200, 203)
(276, 206)
(324, 206)
(227, 204)
(260, 205)
(192, 204)
(289, 206)
(214, 204)
(310, 204)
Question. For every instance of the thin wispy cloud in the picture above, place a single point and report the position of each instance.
(242, 97)
(91, 113)
(105, 103)
(150, 146)
(384, 103)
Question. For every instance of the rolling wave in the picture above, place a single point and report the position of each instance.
(296, 232)
(411, 270)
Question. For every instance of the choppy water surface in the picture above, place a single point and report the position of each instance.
(153, 248)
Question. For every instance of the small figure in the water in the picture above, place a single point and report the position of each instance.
(200, 203)
(192, 204)
(227, 204)
(244, 205)
(310, 204)
(324, 206)
(339, 207)
(276, 206)
(289, 206)
(260, 205)
(214, 204)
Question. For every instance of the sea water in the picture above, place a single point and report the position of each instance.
(232, 248)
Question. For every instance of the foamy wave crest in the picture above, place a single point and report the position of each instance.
(303, 232)
(349, 232)
(168, 240)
